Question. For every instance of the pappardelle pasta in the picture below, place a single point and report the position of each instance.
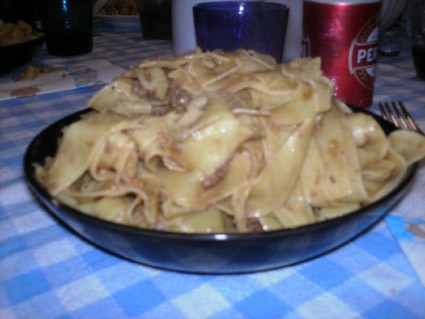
(212, 142)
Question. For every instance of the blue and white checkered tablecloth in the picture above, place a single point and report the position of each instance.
(48, 272)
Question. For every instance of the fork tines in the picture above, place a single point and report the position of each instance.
(396, 113)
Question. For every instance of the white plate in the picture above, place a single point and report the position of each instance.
(121, 21)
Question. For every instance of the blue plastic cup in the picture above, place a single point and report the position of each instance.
(229, 25)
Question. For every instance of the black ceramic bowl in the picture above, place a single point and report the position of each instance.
(208, 253)
(13, 56)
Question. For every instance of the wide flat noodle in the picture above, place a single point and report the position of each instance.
(411, 146)
(275, 183)
(76, 148)
(224, 142)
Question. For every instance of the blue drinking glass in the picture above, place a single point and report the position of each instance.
(229, 25)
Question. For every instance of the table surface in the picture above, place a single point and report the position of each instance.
(48, 272)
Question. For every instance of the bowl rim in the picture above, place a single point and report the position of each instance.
(19, 54)
(42, 195)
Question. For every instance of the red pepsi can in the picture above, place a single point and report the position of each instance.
(345, 35)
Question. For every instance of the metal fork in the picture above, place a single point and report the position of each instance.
(396, 113)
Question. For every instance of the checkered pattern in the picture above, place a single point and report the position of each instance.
(47, 272)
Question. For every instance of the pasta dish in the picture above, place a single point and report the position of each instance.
(224, 142)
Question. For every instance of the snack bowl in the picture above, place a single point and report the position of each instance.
(220, 253)
(16, 55)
